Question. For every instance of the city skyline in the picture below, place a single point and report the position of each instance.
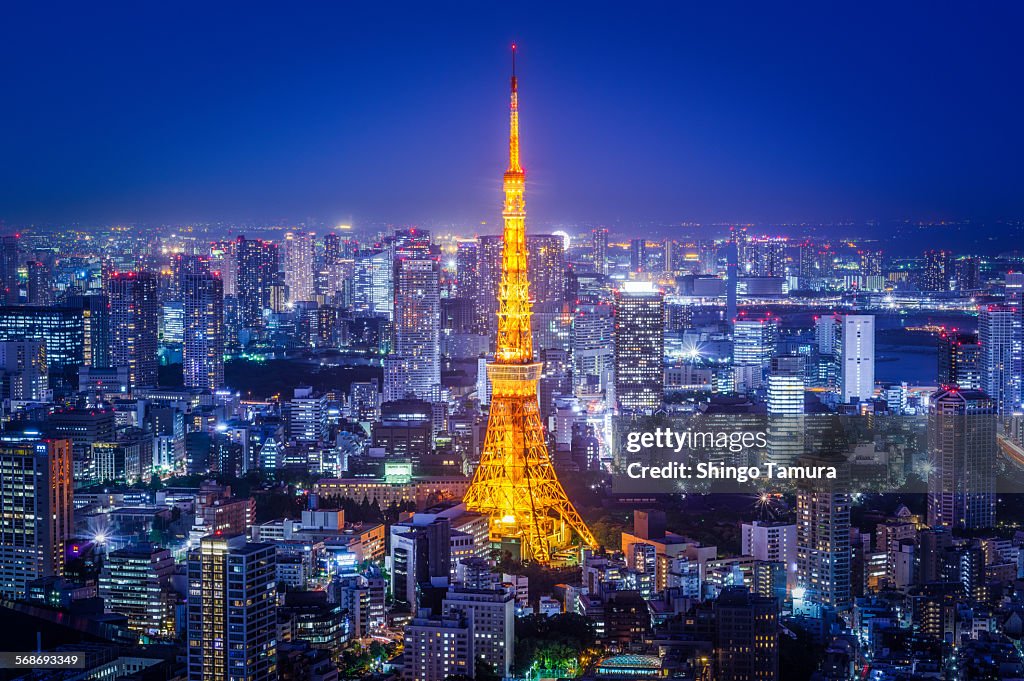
(600, 449)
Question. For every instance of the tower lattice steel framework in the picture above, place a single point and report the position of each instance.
(515, 483)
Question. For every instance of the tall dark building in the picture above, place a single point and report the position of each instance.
(203, 349)
(600, 237)
(637, 255)
(9, 256)
(95, 310)
(39, 286)
(135, 325)
(937, 271)
(967, 273)
(746, 636)
(959, 360)
(258, 265)
(962, 456)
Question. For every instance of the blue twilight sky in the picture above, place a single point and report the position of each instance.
(631, 111)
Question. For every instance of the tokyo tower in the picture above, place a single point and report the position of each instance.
(515, 483)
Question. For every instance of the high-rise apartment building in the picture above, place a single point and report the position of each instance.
(299, 267)
(962, 453)
(545, 261)
(10, 257)
(1001, 335)
(232, 610)
(39, 286)
(959, 360)
(600, 245)
(135, 325)
(489, 250)
(415, 368)
(36, 510)
(823, 542)
(438, 648)
(639, 346)
(937, 271)
(855, 356)
(203, 347)
(258, 264)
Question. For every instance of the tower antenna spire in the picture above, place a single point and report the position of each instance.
(515, 483)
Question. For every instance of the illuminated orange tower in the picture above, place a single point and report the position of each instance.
(515, 483)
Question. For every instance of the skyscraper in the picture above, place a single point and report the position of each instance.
(416, 368)
(184, 265)
(95, 311)
(637, 255)
(600, 237)
(823, 542)
(232, 614)
(639, 346)
(39, 288)
(786, 408)
(371, 294)
(1001, 336)
(9, 261)
(962, 456)
(593, 344)
(203, 347)
(753, 342)
(515, 484)
(823, 523)
(767, 257)
(545, 258)
(134, 325)
(468, 282)
(258, 265)
(855, 355)
(937, 271)
(489, 261)
(36, 508)
(959, 360)
(298, 268)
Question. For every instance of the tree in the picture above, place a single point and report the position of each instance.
(484, 671)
